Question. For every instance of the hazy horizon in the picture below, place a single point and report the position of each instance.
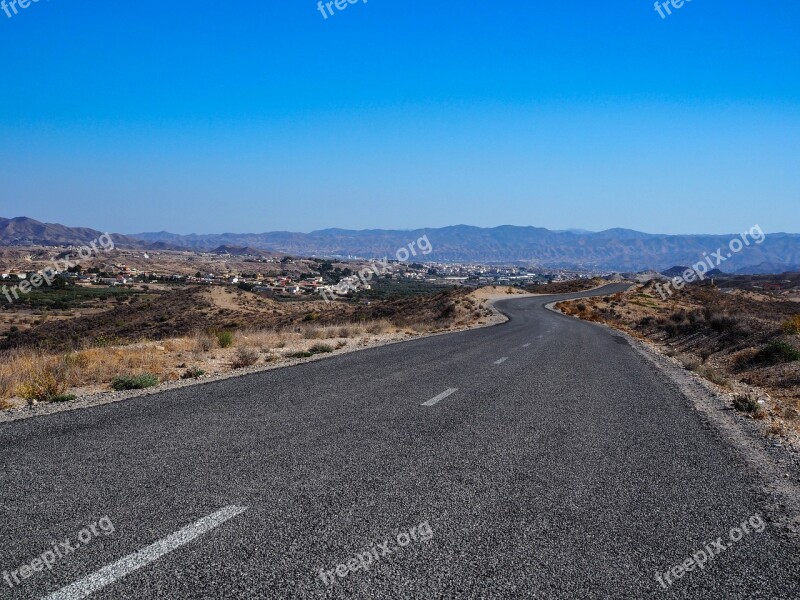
(575, 230)
(388, 115)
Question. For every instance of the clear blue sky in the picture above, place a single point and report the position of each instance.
(246, 116)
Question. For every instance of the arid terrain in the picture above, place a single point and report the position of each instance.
(141, 338)
(742, 334)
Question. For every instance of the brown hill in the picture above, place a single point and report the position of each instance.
(22, 231)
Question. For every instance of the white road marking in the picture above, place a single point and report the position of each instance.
(501, 361)
(441, 396)
(526, 345)
(127, 565)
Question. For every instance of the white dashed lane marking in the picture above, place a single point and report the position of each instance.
(441, 396)
(501, 361)
(127, 565)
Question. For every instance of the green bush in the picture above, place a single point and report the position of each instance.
(63, 398)
(320, 349)
(300, 354)
(225, 338)
(777, 352)
(134, 382)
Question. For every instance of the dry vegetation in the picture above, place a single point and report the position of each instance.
(194, 332)
(744, 341)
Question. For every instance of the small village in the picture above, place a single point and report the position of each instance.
(282, 277)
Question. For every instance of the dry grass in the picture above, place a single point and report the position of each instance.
(6, 387)
(44, 383)
(381, 326)
(203, 342)
(97, 366)
(32, 374)
(792, 325)
(266, 339)
(179, 345)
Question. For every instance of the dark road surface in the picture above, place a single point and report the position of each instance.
(542, 458)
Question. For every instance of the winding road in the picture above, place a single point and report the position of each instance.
(541, 458)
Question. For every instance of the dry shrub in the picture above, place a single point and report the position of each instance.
(776, 429)
(264, 339)
(690, 363)
(6, 386)
(792, 325)
(744, 359)
(203, 342)
(45, 380)
(320, 332)
(345, 332)
(713, 376)
(77, 361)
(178, 345)
(313, 332)
(245, 357)
(377, 327)
(98, 366)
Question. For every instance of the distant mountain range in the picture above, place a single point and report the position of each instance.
(22, 231)
(613, 249)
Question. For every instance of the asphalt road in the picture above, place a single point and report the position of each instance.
(542, 458)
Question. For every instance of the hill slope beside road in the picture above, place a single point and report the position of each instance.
(542, 458)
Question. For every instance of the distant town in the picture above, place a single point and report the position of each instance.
(278, 276)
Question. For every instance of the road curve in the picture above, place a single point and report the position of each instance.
(553, 463)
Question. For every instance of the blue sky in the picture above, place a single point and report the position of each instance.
(247, 116)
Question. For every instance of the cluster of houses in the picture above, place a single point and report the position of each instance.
(119, 275)
(303, 278)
